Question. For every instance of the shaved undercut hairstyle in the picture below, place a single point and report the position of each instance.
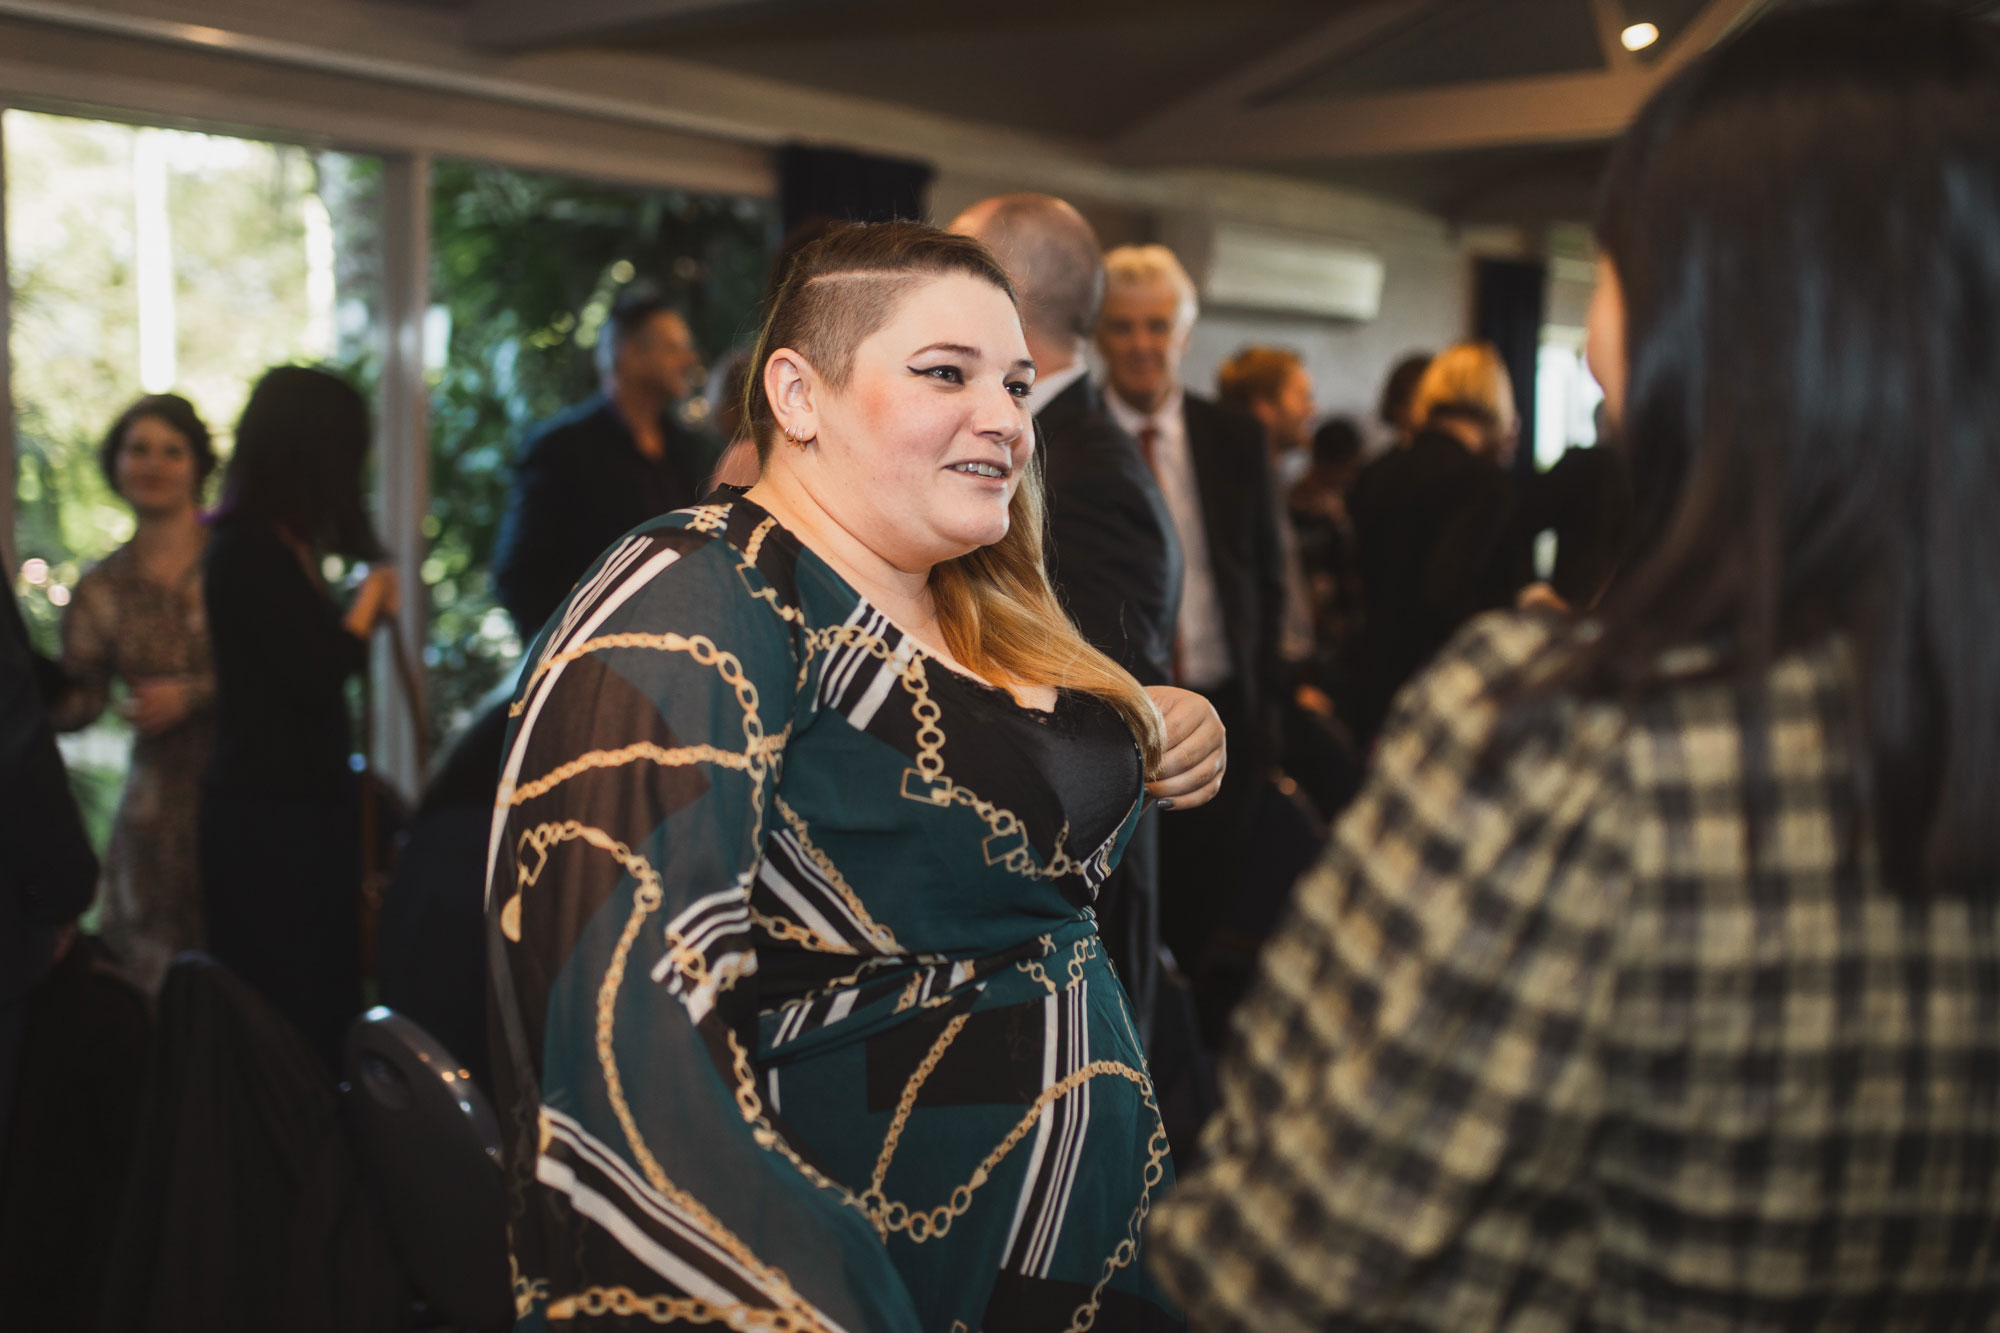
(995, 607)
(842, 288)
(1053, 255)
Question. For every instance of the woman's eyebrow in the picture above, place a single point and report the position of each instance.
(965, 353)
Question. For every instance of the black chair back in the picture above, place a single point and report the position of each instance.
(429, 1146)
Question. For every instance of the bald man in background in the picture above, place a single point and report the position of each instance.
(1111, 547)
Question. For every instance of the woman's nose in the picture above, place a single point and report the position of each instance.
(1002, 416)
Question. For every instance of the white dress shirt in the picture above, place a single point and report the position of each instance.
(1202, 644)
(1049, 387)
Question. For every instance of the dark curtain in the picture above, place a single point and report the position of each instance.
(854, 187)
(1507, 312)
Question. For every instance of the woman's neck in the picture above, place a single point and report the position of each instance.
(904, 595)
(167, 542)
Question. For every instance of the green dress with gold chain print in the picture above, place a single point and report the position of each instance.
(803, 1018)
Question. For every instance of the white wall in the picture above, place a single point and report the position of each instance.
(1426, 296)
(1426, 290)
(1571, 282)
(1424, 306)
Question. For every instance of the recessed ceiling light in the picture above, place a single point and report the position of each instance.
(1639, 36)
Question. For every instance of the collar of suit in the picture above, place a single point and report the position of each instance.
(1050, 387)
(1164, 418)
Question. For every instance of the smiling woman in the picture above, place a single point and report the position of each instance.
(137, 619)
(801, 825)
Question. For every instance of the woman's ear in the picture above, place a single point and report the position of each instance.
(793, 388)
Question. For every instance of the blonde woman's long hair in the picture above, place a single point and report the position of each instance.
(995, 607)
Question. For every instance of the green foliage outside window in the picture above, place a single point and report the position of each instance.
(235, 220)
(525, 268)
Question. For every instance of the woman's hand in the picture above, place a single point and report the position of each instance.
(380, 595)
(157, 705)
(1192, 766)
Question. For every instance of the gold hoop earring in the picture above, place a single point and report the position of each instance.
(795, 441)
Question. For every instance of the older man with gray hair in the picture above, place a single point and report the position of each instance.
(1112, 549)
(1211, 467)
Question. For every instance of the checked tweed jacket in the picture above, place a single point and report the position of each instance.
(1545, 1045)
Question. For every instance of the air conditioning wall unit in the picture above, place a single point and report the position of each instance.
(1256, 268)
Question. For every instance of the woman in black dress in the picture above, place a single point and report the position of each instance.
(137, 618)
(280, 842)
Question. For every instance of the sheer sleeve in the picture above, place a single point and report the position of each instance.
(648, 1176)
(89, 654)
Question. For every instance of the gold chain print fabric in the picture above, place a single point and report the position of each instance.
(808, 1022)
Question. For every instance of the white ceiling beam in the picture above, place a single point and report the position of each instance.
(518, 25)
(1557, 108)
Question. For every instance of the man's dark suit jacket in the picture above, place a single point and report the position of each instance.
(1240, 517)
(1112, 550)
(1433, 524)
(580, 484)
(1208, 860)
(48, 871)
(1115, 559)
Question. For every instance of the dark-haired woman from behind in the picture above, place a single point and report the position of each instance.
(1653, 981)
(137, 618)
(280, 818)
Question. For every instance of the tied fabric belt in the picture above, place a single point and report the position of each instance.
(884, 990)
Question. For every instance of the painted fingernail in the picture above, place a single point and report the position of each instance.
(1166, 803)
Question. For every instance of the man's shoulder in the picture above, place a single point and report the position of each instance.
(1103, 473)
(1081, 435)
(1208, 419)
(1080, 397)
(578, 422)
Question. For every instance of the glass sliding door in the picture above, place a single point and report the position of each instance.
(524, 269)
(147, 260)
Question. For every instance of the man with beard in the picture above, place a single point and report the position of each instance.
(603, 467)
